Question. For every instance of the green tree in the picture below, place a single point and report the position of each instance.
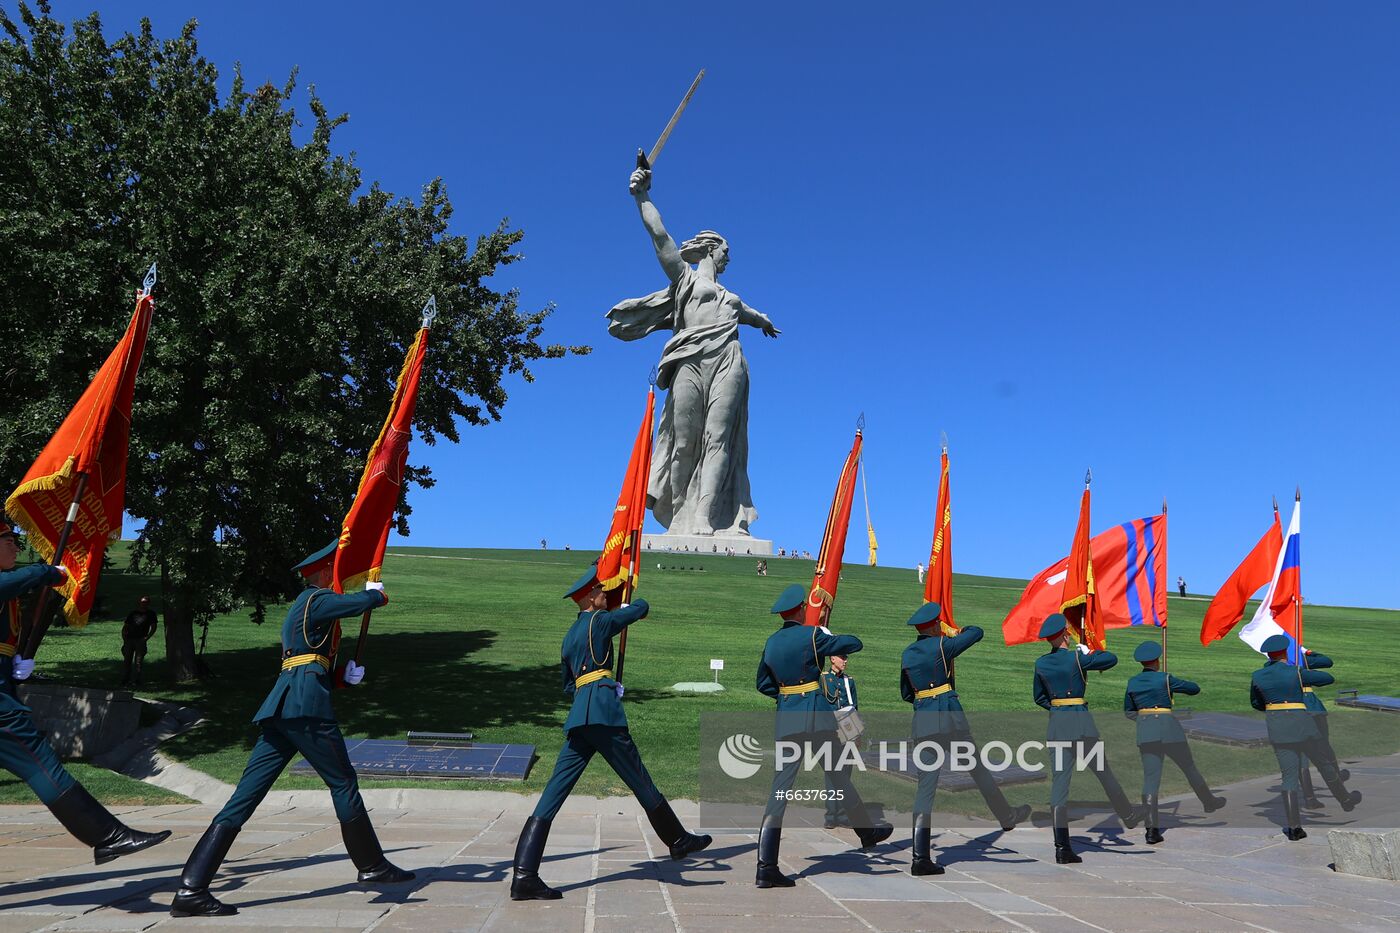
(289, 293)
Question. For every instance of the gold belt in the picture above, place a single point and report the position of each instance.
(301, 660)
(1068, 701)
(7, 651)
(1273, 706)
(797, 689)
(592, 677)
(1308, 690)
(933, 692)
(1156, 709)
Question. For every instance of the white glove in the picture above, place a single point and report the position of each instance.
(354, 673)
(620, 690)
(624, 605)
(1085, 649)
(22, 668)
(374, 585)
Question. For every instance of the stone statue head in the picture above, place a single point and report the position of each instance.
(707, 243)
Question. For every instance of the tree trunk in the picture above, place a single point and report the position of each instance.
(179, 632)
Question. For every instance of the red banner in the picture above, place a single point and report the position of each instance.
(621, 560)
(938, 581)
(1255, 571)
(365, 532)
(1078, 600)
(822, 595)
(91, 442)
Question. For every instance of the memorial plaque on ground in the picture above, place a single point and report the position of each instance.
(1226, 729)
(446, 760)
(1371, 701)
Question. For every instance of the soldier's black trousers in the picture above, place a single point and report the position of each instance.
(836, 781)
(320, 742)
(615, 745)
(986, 783)
(1062, 768)
(1153, 754)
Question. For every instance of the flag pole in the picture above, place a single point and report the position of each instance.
(430, 311)
(38, 625)
(635, 559)
(1164, 619)
(1298, 597)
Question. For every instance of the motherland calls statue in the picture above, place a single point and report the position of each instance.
(699, 472)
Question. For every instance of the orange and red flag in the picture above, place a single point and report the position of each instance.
(1078, 600)
(87, 453)
(621, 560)
(365, 532)
(938, 580)
(822, 596)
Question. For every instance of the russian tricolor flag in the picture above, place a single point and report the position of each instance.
(1280, 612)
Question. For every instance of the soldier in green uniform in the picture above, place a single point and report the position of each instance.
(1060, 681)
(927, 681)
(596, 724)
(1278, 689)
(297, 717)
(790, 672)
(1316, 662)
(1148, 700)
(841, 687)
(24, 751)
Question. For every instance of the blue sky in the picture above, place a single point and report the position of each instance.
(1158, 240)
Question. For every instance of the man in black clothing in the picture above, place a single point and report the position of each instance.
(138, 628)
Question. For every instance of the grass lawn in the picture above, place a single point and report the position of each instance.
(110, 787)
(470, 642)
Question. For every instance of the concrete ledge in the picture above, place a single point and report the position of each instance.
(82, 722)
(1369, 854)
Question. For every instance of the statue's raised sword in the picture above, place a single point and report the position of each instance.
(647, 161)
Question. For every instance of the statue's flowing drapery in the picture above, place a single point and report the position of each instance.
(699, 474)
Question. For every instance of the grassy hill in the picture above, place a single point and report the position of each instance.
(470, 642)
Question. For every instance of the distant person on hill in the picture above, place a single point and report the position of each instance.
(544, 545)
(921, 572)
(23, 749)
(137, 630)
(1181, 585)
(297, 716)
(596, 724)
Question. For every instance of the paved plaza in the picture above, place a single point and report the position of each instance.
(288, 871)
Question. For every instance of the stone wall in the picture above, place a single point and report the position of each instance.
(82, 722)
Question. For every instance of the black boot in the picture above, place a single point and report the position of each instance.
(1064, 852)
(93, 825)
(1347, 798)
(872, 837)
(1292, 817)
(923, 864)
(363, 847)
(525, 883)
(193, 899)
(669, 828)
(1009, 819)
(769, 875)
(1310, 801)
(1209, 800)
(1154, 828)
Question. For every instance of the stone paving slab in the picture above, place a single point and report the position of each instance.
(288, 871)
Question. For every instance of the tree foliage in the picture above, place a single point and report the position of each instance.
(289, 293)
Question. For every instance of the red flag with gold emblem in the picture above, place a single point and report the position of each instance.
(621, 560)
(938, 580)
(81, 473)
(822, 596)
(365, 532)
(1078, 599)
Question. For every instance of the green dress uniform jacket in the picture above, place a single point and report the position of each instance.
(926, 665)
(13, 585)
(1314, 662)
(588, 648)
(795, 655)
(1154, 690)
(1059, 675)
(23, 750)
(842, 687)
(1281, 682)
(311, 628)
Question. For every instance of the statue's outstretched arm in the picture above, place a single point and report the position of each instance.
(666, 251)
(757, 319)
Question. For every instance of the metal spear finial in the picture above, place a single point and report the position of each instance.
(149, 282)
(1275, 505)
(1298, 494)
(653, 375)
(943, 440)
(860, 423)
(1164, 505)
(1088, 477)
(430, 311)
